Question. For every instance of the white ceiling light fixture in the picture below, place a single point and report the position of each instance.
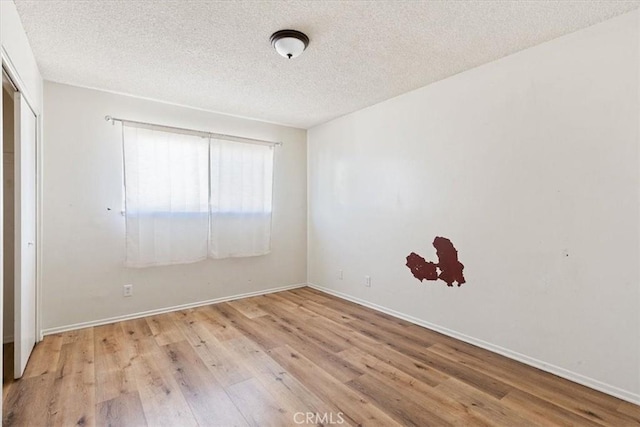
(289, 43)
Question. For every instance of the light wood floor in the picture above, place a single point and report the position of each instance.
(269, 360)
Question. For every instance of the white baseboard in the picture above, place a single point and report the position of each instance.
(72, 327)
(556, 370)
(6, 339)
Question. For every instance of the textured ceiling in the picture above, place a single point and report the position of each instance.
(216, 55)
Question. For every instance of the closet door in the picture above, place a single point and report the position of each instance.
(25, 234)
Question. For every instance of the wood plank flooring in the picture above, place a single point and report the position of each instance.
(299, 357)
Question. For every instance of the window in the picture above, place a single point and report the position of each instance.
(189, 197)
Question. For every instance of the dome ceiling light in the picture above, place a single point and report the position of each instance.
(289, 43)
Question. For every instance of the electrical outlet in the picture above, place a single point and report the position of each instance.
(340, 274)
(127, 290)
(367, 281)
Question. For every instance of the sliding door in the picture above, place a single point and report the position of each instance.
(25, 234)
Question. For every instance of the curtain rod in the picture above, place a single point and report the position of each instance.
(213, 135)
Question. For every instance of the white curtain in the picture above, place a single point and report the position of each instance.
(241, 193)
(189, 197)
(166, 196)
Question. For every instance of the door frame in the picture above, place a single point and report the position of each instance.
(12, 73)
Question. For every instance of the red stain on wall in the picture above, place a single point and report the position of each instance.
(450, 268)
(421, 268)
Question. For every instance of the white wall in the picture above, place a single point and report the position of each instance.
(530, 166)
(84, 247)
(18, 56)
